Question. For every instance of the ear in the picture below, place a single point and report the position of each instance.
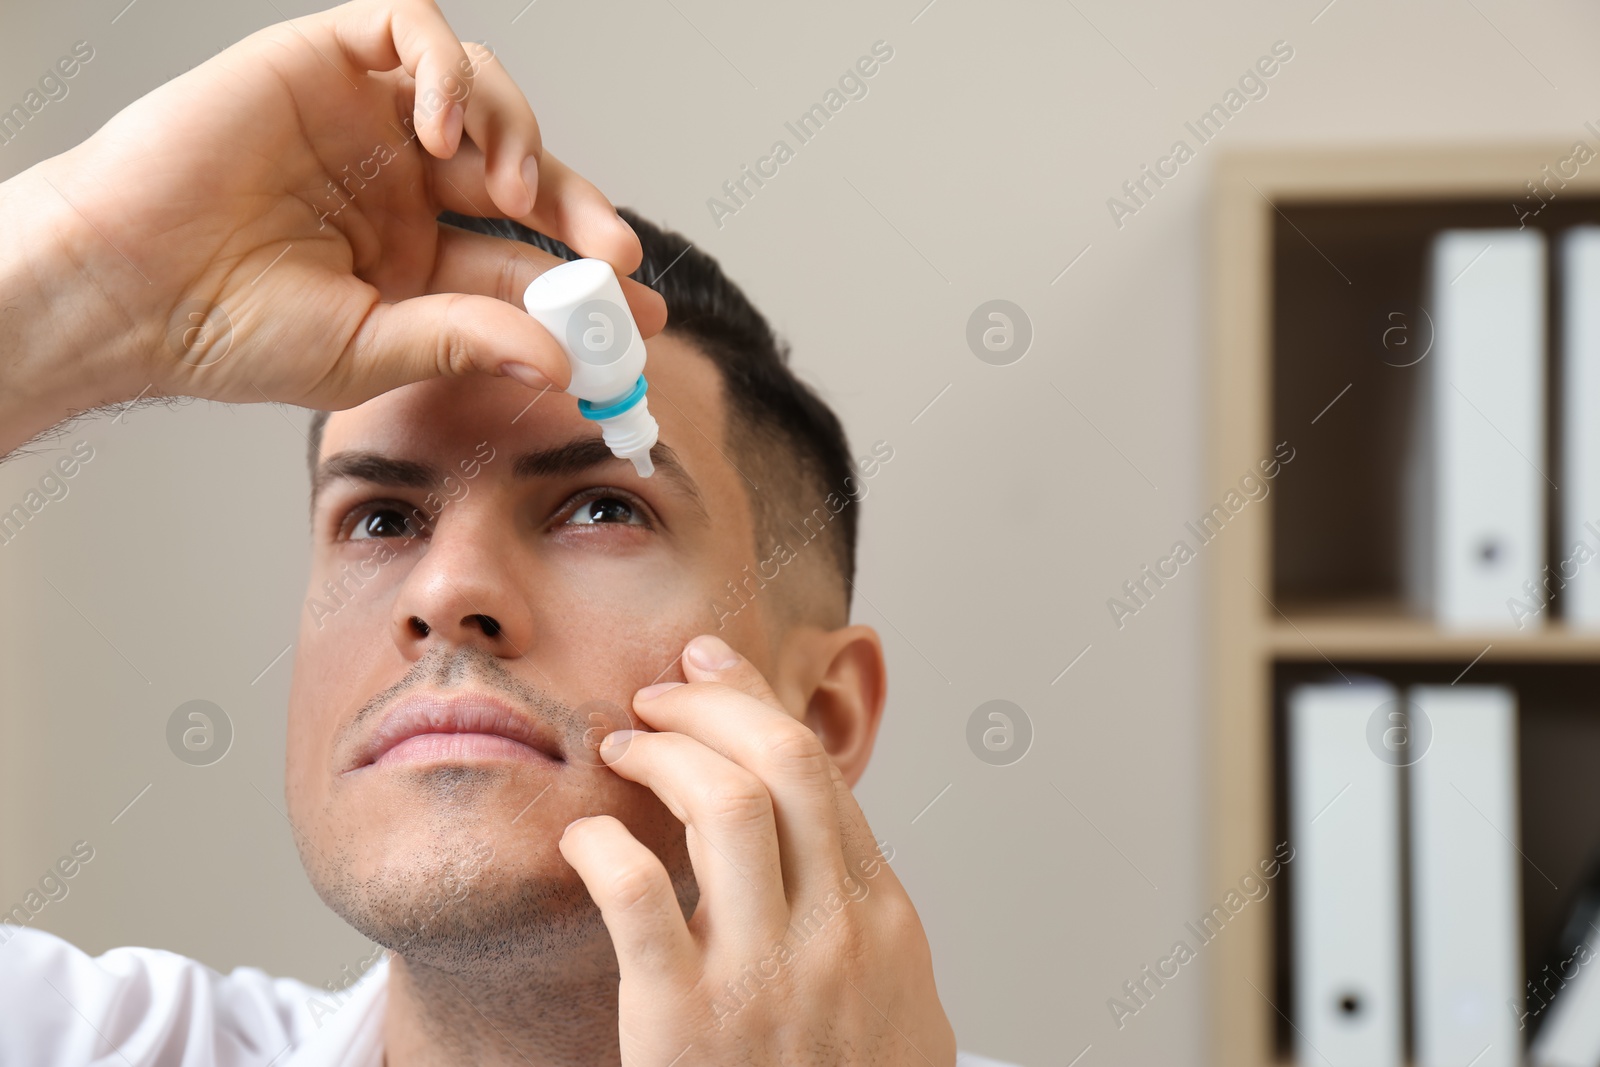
(839, 679)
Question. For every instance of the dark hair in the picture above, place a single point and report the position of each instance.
(789, 443)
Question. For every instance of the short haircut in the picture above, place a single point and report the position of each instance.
(787, 443)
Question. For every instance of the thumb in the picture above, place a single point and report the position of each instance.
(445, 335)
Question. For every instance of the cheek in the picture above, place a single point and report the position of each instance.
(607, 629)
(344, 654)
(608, 646)
(316, 694)
(622, 618)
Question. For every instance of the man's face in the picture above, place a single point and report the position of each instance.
(485, 568)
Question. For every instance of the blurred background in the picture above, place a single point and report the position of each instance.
(1034, 473)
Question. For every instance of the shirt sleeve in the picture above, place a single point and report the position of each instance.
(140, 1006)
(145, 1006)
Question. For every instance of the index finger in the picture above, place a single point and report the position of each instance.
(710, 659)
(728, 707)
(568, 206)
(455, 91)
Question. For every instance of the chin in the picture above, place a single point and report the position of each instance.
(456, 864)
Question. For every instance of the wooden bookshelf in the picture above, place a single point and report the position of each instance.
(1367, 630)
(1257, 625)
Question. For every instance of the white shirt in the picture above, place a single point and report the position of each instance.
(144, 1006)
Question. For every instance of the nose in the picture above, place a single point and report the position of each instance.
(463, 591)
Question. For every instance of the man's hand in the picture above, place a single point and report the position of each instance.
(804, 947)
(263, 228)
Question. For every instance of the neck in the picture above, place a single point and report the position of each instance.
(436, 1018)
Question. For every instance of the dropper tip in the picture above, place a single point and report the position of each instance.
(642, 464)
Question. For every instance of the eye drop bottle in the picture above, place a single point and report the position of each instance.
(581, 303)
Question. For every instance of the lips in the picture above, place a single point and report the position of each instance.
(457, 727)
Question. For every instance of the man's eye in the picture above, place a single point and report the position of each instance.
(383, 522)
(606, 509)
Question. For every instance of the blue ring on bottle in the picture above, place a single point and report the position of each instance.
(617, 407)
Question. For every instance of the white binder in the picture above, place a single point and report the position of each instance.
(1344, 823)
(1477, 499)
(1575, 572)
(1465, 880)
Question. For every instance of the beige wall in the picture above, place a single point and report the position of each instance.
(978, 166)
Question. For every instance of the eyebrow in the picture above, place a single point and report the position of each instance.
(572, 457)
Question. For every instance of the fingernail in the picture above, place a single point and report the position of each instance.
(711, 653)
(525, 374)
(575, 822)
(650, 692)
(530, 178)
(616, 743)
(453, 122)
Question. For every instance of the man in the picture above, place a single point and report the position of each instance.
(495, 603)
(575, 745)
(551, 583)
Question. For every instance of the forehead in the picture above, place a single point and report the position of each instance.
(436, 419)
